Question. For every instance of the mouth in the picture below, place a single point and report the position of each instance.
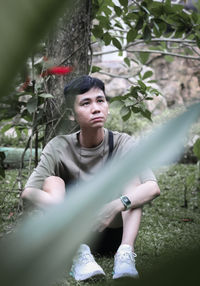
(97, 119)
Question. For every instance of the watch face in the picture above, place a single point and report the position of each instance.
(126, 202)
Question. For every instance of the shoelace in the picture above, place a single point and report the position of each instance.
(81, 258)
(127, 257)
(85, 258)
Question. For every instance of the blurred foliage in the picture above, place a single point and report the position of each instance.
(167, 229)
(23, 24)
(52, 238)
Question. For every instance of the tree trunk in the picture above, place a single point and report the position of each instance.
(67, 45)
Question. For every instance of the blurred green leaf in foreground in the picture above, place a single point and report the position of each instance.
(23, 24)
(42, 247)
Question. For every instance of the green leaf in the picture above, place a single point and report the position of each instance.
(124, 2)
(156, 29)
(104, 22)
(116, 43)
(124, 111)
(147, 33)
(195, 17)
(107, 11)
(128, 102)
(147, 114)
(127, 116)
(139, 24)
(118, 10)
(97, 31)
(6, 128)
(162, 25)
(142, 85)
(136, 109)
(147, 74)
(118, 25)
(32, 104)
(117, 103)
(127, 61)
(144, 57)
(196, 148)
(46, 95)
(107, 38)
(95, 69)
(131, 35)
(134, 91)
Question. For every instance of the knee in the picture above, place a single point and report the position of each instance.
(156, 189)
(53, 181)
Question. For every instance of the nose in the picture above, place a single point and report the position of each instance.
(95, 108)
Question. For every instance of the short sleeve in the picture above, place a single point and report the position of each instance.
(45, 168)
(147, 175)
(124, 143)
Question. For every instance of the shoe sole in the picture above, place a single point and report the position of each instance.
(94, 276)
(125, 275)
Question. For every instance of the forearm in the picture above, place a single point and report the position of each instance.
(139, 195)
(142, 193)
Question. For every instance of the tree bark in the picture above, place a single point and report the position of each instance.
(67, 45)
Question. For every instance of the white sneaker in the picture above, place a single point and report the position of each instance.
(124, 263)
(84, 266)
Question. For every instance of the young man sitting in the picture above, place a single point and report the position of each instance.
(77, 156)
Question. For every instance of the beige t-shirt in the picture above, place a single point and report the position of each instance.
(64, 157)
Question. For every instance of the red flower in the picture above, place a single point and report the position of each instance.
(57, 70)
(24, 85)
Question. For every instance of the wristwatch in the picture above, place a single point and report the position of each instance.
(126, 202)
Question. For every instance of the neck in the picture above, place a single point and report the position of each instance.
(91, 138)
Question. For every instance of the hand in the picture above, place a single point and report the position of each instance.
(107, 214)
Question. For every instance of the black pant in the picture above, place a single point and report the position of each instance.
(107, 242)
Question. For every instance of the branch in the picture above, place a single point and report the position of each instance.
(150, 52)
(162, 40)
(119, 76)
(65, 60)
(108, 52)
(195, 51)
(165, 53)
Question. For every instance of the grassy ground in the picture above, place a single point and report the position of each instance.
(170, 224)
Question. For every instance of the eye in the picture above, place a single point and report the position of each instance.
(100, 100)
(85, 103)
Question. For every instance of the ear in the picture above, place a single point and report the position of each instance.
(72, 116)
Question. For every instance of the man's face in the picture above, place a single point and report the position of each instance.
(91, 109)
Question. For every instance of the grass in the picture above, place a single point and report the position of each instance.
(170, 224)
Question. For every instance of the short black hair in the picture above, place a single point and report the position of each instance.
(81, 85)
